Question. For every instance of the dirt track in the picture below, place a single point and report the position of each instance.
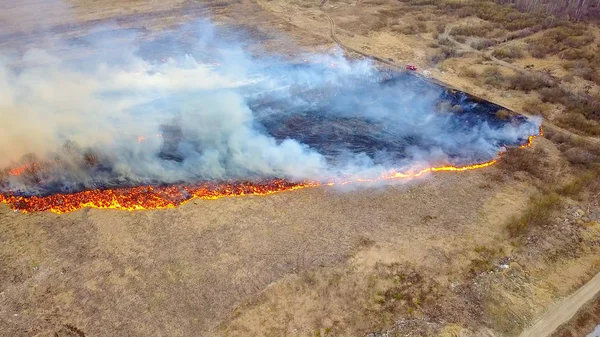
(564, 310)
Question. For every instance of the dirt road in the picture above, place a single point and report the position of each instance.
(564, 310)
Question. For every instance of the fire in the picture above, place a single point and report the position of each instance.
(143, 138)
(148, 197)
(144, 197)
(17, 171)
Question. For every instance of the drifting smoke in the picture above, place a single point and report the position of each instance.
(210, 112)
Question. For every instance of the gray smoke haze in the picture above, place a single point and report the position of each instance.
(117, 117)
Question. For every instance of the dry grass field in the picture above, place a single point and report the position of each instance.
(477, 253)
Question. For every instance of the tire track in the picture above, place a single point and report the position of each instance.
(564, 310)
(332, 29)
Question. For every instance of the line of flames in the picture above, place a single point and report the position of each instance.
(148, 197)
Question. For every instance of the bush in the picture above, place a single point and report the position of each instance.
(461, 39)
(538, 213)
(492, 76)
(480, 30)
(481, 44)
(558, 39)
(567, 78)
(443, 54)
(585, 69)
(579, 156)
(503, 114)
(575, 54)
(32, 169)
(532, 106)
(4, 178)
(440, 28)
(580, 183)
(445, 41)
(411, 29)
(578, 122)
(588, 106)
(510, 53)
(527, 82)
(529, 160)
(468, 72)
(552, 95)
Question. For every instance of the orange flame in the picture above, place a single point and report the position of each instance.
(17, 171)
(143, 138)
(147, 197)
(144, 197)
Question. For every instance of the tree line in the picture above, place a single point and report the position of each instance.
(573, 9)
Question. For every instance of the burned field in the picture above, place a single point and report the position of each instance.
(167, 115)
(395, 130)
(336, 122)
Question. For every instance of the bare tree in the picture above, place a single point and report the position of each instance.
(573, 9)
(31, 168)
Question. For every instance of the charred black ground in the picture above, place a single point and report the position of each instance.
(389, 120)
(335, 132)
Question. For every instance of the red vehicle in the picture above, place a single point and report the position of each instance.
(411, 67)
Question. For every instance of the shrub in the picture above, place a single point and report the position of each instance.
(567, 78)
(440, 28)
(538, 213)
(443, 54)
(32, 172)
(533, 106)
(503, 114)
(461, 39)
(411, 29)
(588, 106)
(493, 76)
(527, 82)
(479, 30)
(509, 53)
(552, 95)
(4, 178)
(530, 160)
(481, 44)
(468, 72)
(579, 156)
(575, 54)
(577, 121)
(579, 184)
(558, 39)
(445, 41)
(585, 69)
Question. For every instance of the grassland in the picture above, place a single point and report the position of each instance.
(479, 253)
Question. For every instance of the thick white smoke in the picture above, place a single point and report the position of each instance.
(118, 117)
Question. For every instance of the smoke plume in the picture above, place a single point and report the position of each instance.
(129, 112)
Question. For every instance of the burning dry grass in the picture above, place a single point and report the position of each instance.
(149, 197)
(146, 197)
